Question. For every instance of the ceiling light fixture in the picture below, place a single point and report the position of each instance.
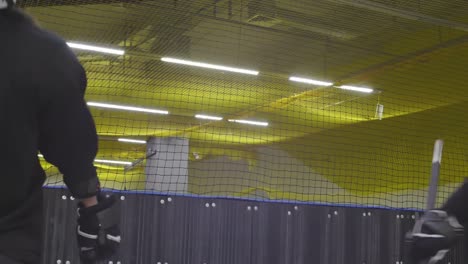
(209, 66)
(309, 81)
(216, 118)
(117, 162)
(248, 122)
(128, 140)
(95, 48)
(355, 88)
(128, 108)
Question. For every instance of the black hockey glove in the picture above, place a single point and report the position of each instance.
(432, 238)
(98, 229)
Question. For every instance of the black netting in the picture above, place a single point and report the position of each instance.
(314, 142)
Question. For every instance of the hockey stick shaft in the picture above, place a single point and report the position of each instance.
(435, 172)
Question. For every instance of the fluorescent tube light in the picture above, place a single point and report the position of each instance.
(309, 81)
(248, 122)
(128, 108)
(217, 118)
(209, 66)
(117, 162)
(128, 140)
(357, 89)
(95, 48)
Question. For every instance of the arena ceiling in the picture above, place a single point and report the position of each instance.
(412, 53)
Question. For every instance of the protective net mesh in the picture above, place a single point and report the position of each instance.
(279, 137)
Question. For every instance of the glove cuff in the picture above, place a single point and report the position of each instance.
(104, 202)
(451, 220)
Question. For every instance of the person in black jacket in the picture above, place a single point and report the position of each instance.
(42, 109)
(439, 229)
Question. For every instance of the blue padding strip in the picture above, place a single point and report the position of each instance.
(252, 199)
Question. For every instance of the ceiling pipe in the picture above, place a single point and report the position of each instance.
(368, 72)
(319, 29)
(377, 7)
(25, 4)
(264, 12)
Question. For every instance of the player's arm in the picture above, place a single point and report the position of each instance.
(67, 133)
(68, 139)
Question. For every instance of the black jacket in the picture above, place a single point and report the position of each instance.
(42, 108)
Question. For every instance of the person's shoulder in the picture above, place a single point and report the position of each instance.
(50, 49)
(25, 32)
(48, 40)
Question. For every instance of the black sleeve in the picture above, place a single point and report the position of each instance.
(457, 205)
(67, 133)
